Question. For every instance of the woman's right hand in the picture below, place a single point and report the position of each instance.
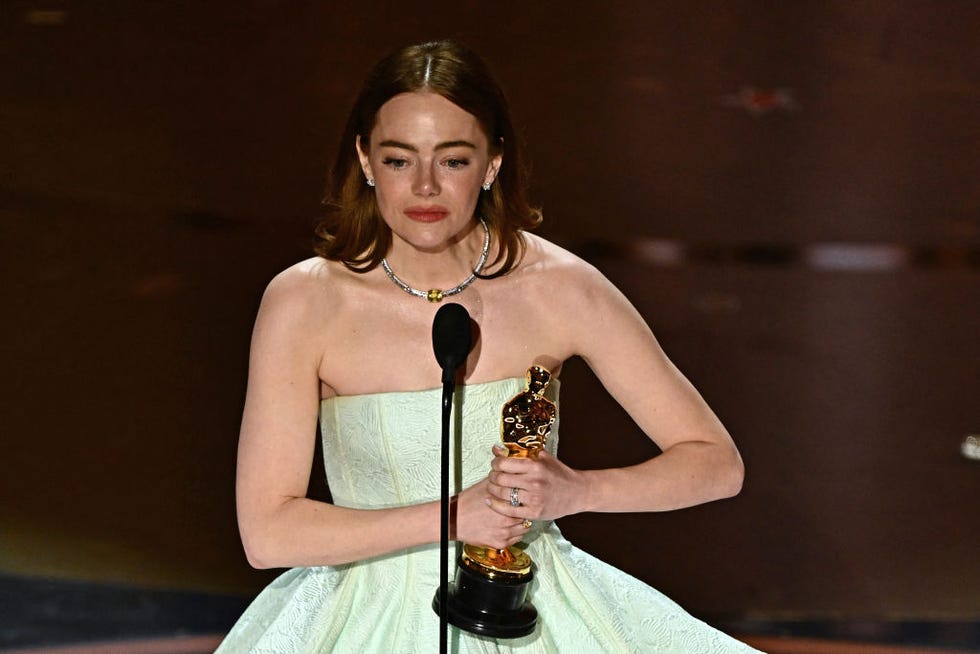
(476, 523)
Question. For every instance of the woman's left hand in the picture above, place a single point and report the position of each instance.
(547, 488)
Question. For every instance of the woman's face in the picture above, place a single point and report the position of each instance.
(428, 158)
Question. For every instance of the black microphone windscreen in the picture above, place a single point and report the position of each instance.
(451, 337)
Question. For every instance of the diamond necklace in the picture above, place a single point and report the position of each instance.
(434, 294)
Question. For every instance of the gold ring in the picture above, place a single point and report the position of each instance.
(527, 523)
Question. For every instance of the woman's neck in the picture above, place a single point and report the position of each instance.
(442, 268)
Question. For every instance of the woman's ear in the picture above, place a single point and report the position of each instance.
(493, 169)
(365, 161)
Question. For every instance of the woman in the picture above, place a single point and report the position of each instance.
(427, 199)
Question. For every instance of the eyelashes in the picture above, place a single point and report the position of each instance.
(453, 163)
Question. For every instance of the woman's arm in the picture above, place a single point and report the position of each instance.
(699, 461)
(279, 526)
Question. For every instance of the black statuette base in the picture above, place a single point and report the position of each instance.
(489, 607)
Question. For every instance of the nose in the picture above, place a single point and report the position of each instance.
(425, 184)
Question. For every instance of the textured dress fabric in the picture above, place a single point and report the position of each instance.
(382, 450)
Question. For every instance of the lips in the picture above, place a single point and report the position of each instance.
(428, 214)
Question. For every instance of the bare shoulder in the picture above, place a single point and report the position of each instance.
(306, 294)
(570, 278)
(299, 279)
(542, 257)
(579, 300)
(309, 283)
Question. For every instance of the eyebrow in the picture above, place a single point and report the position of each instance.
(441, 146)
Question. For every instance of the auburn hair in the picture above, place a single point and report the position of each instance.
(353, 231)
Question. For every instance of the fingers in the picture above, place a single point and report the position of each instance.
(514, 532)
(478, 523)
(522, 473)
(517, 513)
(516, 464)
(498, 531)
(533, 479)
(531, 494)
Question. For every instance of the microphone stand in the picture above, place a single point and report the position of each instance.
(451, 342)
(448, 387)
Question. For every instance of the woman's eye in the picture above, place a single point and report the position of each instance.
(394, 162)
(457, 163)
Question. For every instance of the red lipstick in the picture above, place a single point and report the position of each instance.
(429, 214)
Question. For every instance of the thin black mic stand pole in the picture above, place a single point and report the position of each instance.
(447, 406)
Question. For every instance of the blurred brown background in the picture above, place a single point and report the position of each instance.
(787, 190)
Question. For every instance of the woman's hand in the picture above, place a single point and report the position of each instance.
(477, 524)
(547, 488)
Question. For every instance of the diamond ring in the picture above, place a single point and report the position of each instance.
(514, 499)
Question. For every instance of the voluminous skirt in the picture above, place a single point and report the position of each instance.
(378, 453)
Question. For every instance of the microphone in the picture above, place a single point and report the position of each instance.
(451, 339)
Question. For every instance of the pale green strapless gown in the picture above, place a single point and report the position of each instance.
(382, 450)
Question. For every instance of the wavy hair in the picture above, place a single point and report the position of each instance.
(353, 231)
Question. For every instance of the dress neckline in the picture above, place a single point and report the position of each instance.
(438, 389)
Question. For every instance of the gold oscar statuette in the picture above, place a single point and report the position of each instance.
(489, 596)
